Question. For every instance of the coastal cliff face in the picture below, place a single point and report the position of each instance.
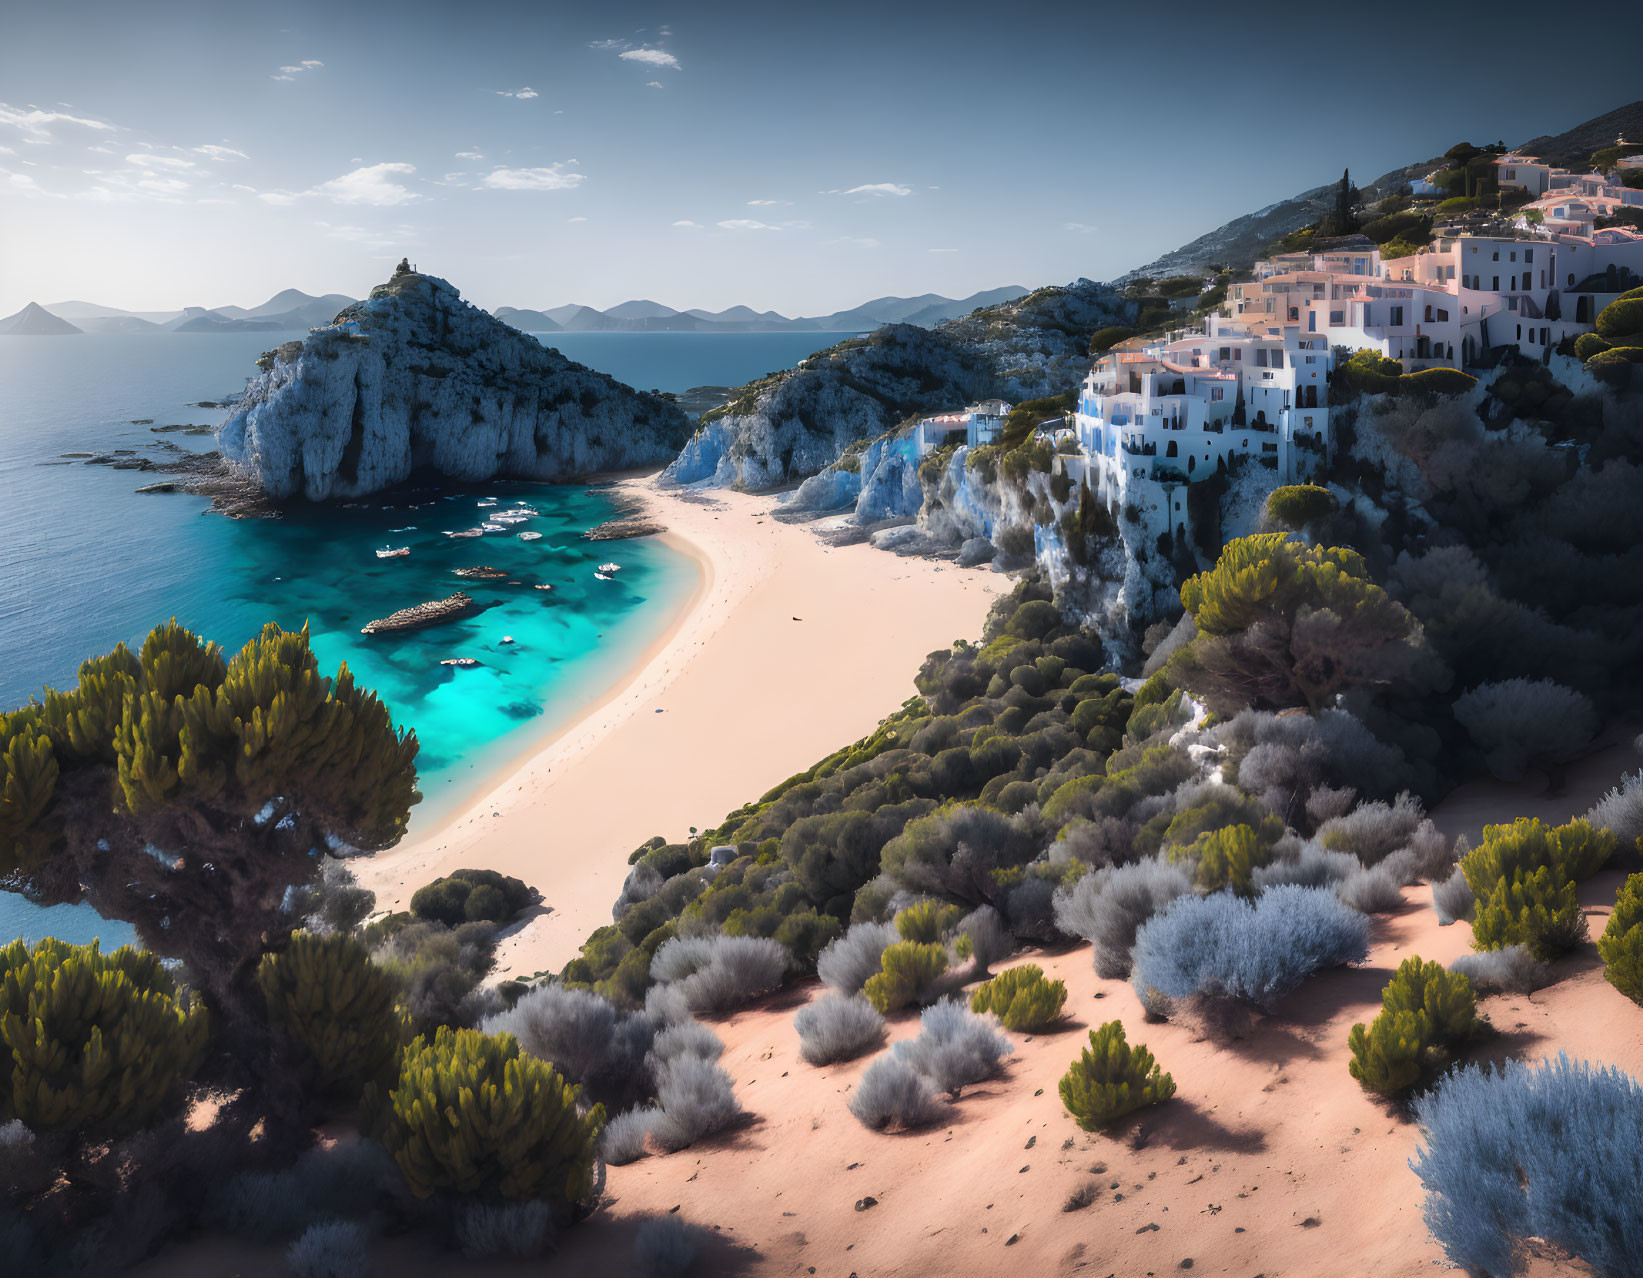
(415, 378)
(796, 423)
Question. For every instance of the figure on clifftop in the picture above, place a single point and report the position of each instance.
(404, 267)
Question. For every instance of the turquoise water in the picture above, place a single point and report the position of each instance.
(85, 562)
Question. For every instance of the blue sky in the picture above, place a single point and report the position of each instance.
(796, 158)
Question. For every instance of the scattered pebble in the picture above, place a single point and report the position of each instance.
(862, 1204)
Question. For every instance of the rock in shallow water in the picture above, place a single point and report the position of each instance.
(415, 378)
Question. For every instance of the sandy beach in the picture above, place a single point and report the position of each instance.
(787, 650)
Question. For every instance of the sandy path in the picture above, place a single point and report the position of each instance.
(789, 650)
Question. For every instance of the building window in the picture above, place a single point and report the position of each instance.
(1495, 288)
(1336, 319)
(1514, 255)
(1443, 316)
(1528, 255)
(1520, 332)
(1496, 255)
(1397, 317)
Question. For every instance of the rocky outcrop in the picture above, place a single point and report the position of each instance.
(796, 423)
(419, 616)
(415, 379)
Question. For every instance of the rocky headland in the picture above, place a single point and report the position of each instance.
(414, 378)
(794, 424)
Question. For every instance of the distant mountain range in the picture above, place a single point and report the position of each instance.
(291, 310)
(294, 311)
(652, 317)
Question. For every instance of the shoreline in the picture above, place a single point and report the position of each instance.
(785, 650)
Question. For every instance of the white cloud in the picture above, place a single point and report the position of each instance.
(33, 120)
(746, 224)
(469, 155)
(159, 162)
(879, 188)
(607, 45)
(292, 72)
(685, 221)
(524, 95)
(576, 219)
(653, 84)
(767, 203)
(308, 64)
(6, 150)
(942, 250)
(1079, 228)
(554, 178)
(650, 57)
(373, 185)
(221, 153)
(395, 237)
(101, 150)
(279, 199)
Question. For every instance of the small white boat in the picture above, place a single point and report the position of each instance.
(507, 638)
(407, 528)
(489, 527)
(466, 532)
(544, 587)
(461, 663)
(610, 568)
(393, 552)
(489, 501)
(530, 536)
(604, 576)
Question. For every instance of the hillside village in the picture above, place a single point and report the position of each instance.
(1251, 378)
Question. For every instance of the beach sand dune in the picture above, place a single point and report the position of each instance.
(788, 650)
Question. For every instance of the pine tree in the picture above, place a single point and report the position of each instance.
(1621, 945)
(1022, 999)
(226, 778)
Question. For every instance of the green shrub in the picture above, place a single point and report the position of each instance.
(1537, 909)
(1621, 945)
(470, 896)
(909, 970)
(1589, 344)
(471, 1114)
(1575, 851)
(1437, 381)
(1106, 338)
(1022, 999)
(1388, 1053)
(1226, 858)
(1298, 505)
(1112, 1079)
(928, 921)
(95, 1044)
(1425, 1011)
(1620, 321)
(335, 1008)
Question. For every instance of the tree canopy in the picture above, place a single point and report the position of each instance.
(1283, 624)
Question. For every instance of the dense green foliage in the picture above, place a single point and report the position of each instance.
(1112, 1079)
(336, 1010)
(1524, 878)
(1425, 1012)
(1283, 624)
(908, 975)
(1022, 999)
(1621, 945)
(1001, 726)
(95, 1044)
(470, 1114)
(1297, 505)
(469, 896)
(1369, 371)
(184, 794)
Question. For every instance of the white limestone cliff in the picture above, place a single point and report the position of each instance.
(416, 379)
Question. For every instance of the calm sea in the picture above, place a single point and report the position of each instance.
(86, 562)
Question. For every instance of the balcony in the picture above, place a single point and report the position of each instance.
(1141, 450)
